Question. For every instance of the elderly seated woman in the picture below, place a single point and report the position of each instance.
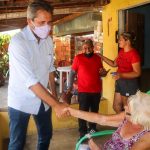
(133, 131)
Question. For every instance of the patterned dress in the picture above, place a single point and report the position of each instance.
(118, 143)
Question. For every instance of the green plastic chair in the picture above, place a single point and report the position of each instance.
(148, 92)
(96, 134)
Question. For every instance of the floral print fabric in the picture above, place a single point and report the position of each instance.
(118, 143)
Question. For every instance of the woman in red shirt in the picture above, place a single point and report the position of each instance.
(129, 69)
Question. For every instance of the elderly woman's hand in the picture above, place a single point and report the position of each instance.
(59, 110)
(93, 145)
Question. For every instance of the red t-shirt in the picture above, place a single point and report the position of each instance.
(126, 59)
(88, 73)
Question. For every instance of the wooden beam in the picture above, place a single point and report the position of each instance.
(21, 5)
(22, 14)
(76, 10)
(74, 3)
(102, 2)
(16, 9)
(12, 15)
(75, 32)
(83, 33)
(11, 24)
(67, 18)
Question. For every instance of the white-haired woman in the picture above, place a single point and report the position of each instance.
(133, 131)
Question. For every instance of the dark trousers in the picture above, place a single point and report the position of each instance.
(18, 128)
(88, 102)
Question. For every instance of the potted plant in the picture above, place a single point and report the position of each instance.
(4, 67)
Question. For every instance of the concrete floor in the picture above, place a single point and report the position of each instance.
(63, 139)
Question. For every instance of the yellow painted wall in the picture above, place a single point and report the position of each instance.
(110, 13)
(0, 140)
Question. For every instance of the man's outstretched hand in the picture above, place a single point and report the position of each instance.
(59, 110)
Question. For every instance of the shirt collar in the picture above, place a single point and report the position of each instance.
(29, 34)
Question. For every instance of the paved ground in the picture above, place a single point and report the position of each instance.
(63, 139)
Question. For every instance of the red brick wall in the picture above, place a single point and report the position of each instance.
(62, 49)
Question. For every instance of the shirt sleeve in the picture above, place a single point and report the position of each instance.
(19, 60)
(135, 57)
(75, 64)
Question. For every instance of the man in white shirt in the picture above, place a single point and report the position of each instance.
(31, 68)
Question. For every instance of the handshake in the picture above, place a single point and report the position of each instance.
(62, 108)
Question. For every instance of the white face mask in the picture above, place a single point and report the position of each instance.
(43, 31)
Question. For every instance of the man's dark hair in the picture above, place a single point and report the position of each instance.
(34, 6)
(89, 42)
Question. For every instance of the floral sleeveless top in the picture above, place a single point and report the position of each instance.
(118, 143)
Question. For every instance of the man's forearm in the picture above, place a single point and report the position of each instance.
(71, 79)
(43, 94)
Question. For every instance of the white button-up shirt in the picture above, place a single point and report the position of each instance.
(30, 62)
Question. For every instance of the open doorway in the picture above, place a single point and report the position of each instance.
(137, 20)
